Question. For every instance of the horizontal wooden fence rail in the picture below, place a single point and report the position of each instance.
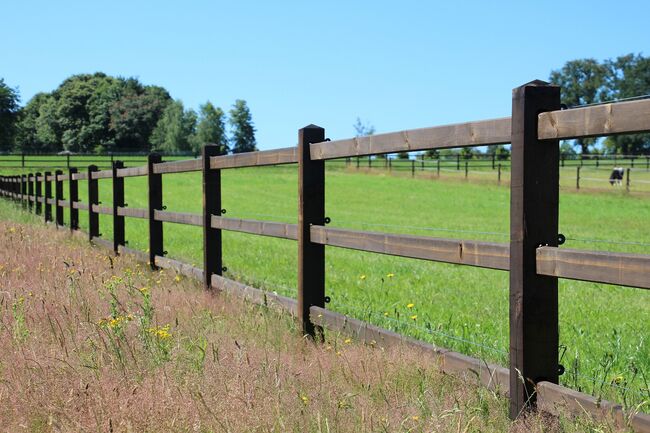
(462, 252)
(533, 257)
(481, 133)
(601, 267)
(179, 218)
(598, 120)
(262, 228)
(132, 212)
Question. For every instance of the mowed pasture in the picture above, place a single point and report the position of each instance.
(603, 328)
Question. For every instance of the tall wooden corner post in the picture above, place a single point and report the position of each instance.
(119, 236)
(212, 258)
(154, 181)
(311, 211)
(534, 199)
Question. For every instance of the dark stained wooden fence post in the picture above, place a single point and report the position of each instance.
(212, 253)
(47, 196)
(155, 203)
(23, 191)
(311, 211)
(37, 199)
(73, 186)
(534, 200)
(578, 177)
(58, 196)
(627, 180)
(93, 199)
(119, 232)
(30, 192)
(499, 173)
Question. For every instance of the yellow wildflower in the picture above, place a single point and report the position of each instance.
(362, 277)
(414, 317)
(305, 399)
(411, 305)
(144, 290)
(415, 417)
(390, 275)
(348, 341)
(177, 278)
(386, 313)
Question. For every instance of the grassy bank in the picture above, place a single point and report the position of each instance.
(90, 342)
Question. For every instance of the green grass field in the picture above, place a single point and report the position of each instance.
(603, 328)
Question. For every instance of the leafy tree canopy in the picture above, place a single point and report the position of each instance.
(9, 99)
(211, 129)
(243, 131)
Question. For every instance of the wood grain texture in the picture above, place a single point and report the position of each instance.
(311, 211)
(286, 155)
(178, 218)
(262, 228)
(211, 205)
(485, 132)
(102, 242)
(79, 205)
(180, 267)
(155, 203)
(133, 212)
(47, 193)
(462, 252)
(93, 199)
(256, 296)
(119, 226)
(73, 191)
(139, 255)
(103, 174)
(80, 176)
(597, 266)
(132, 171)
(183, 166)
(58, 194)
(556, 400)
(534, 214)
(598, 120)
(104, 210)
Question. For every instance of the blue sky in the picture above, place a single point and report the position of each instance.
(397, 65)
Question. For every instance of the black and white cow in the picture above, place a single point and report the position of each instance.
(616, 178)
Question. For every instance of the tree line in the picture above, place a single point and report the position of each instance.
(98, 113)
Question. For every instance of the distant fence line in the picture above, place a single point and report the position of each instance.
(533, 256)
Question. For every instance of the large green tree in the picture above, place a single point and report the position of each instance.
(9, 99)
(582, 82)
(243, 131)
(92, 112)
(211, 129)
(174, 129)
(135, 115)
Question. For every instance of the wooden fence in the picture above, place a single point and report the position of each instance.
(533, 257)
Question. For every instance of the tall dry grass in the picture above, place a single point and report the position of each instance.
(95, 343)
